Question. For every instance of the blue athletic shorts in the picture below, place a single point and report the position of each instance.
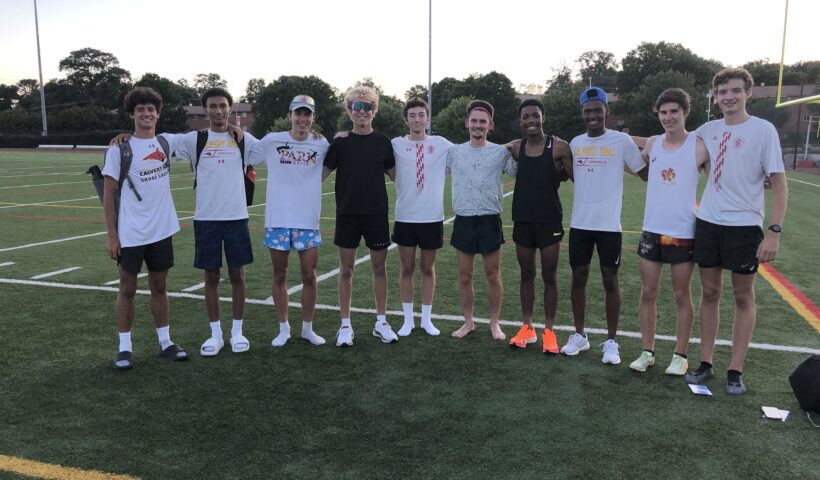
(209, 236)
(292, 238)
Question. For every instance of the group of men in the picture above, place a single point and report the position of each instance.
(738, 151)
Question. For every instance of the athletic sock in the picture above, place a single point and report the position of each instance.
(652, 352)
(381, 319)
(426, 311)
(216, 330)
(704, 366)
(409, 322)
(125, 342)
(733, 376)
(680, 354)
(236, 328)
(284, 334)
(164, 335)
(346, 322)
(311, 336)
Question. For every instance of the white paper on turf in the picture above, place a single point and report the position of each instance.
(700, 389)
(775, 413)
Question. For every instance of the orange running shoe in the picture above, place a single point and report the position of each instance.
(550, 342)
(525, 335)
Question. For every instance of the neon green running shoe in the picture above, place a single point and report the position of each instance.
(643, 362)
(678, 366)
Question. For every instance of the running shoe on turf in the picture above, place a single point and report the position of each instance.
(549, 341)
(576, 343)
(678, 366)
(385, 333)
(611, 355)
(643, 362)
(525, 336)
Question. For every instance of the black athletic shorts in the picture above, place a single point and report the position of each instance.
(730, 248)
(427, 236)
(158, 256)
(351, 228)
(583, 242)
(537, 235)
(664, 249)
(480, 234)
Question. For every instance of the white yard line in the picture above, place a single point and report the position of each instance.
(6, 264)
(801, 181)
(395, 313)
(58, 272)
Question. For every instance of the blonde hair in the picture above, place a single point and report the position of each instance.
(361, 93)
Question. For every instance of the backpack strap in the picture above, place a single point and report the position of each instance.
(126, 156)
(163, 142)
(201, 140)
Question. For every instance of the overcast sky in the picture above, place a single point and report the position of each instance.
(343, 41)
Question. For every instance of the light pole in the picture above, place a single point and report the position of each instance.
(40, 66)
(708, 105)
(430, 66)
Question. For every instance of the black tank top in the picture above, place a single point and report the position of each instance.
(536, 188)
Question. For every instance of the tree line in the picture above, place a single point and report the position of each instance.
(89, 97)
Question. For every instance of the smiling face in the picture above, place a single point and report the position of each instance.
(416, 120)
(479, 123)
(594, 115)
(301, 121)
(145, 116)
(672, 117)
(532, 120)
(731, 97)
(218, 110)
(361, 113)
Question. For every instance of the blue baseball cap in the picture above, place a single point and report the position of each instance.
(593, 93)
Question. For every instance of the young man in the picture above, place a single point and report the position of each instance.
(292, 207)
(598, 168)
(221, 216)
(420, 175)
(728, 234)
(476, 167)
(362, 159)
(675, 160)
(141, 229)
(543, 163)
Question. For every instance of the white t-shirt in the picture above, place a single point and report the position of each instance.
(420, 176)
(598, 171)
(220, 184)
(671, 190)
(742, 156)
(294, 195)
(154, 218)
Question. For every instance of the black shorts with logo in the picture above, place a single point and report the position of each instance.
(158, 256)
(427, 236)
(665, 249)
(583, 242)
(480, 234)
(537, 235)
(731, 248)
(351, 228)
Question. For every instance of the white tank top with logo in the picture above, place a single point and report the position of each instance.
(671, 191)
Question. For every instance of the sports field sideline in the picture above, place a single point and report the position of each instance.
(423, 408)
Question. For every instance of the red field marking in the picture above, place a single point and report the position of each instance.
(793, 296)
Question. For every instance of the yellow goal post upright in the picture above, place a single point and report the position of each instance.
(796, 101)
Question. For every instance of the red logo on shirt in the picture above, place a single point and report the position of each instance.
(739, 143)
(668, 175)
(430, 149)
(156, 155)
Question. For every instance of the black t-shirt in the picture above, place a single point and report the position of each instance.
(360, 162)
(536, 187)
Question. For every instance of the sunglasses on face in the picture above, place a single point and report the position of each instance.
(359, 106)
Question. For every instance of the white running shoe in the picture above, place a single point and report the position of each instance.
(344, 338)
(385, 333)
(576, 343)
(611, 355)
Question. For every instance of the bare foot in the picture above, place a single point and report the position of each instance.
(495, 330)
(465, 330)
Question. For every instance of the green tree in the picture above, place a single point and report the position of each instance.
(562, 113)
(561, 78)
(449, 121)
(252, 90)
(598, 67)
(765, 109)
(637, 106)
(416, 91)
(445, 91)
(497, 89)
(79, 119)
(651, 58)
(8, 96)
(93, 75)
(204, 81)
(273, 102)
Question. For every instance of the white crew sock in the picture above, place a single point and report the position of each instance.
(426, 322)
(381, 319)
(311, 336)
(125, 342)
(346, 322)
(236, 328)
(284, 335)
(409, 323)
(164, 335)
(216, 330)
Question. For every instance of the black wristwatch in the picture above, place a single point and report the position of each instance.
(775, 228)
